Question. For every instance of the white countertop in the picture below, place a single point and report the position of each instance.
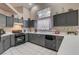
(44, 33)
(7, 33)
(69, 45)
(47, 33)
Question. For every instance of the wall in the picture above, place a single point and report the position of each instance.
(26, 13)
(56, 8)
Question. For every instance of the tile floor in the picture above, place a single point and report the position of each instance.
(29, 49)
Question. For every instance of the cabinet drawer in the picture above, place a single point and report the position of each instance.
(1, 47)
(6, 42)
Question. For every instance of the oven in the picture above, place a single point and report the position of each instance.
(19, 38)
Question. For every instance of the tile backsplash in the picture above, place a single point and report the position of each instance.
(66, 28)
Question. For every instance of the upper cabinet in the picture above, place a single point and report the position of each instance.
(9, 21)
(6, 21)
(66, 19)
(2, 20)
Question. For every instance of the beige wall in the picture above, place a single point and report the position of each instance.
(56, 8)
(26, 13)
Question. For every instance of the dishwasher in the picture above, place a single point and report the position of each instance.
(50, 42)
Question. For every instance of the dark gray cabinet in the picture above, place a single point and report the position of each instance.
(12, 38)
(50, 42)
(2, 20)
(37, 39)
(33, 38)
(59, 20)
(66, 19)
(6, 42)
(41, 39)
(26, 37)
(53, 42)
(1, 47)
(58, 42)
(72, 18)
(9, 21)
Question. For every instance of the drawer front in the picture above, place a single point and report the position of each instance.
(33, 38)
(6, 42)
(58, 42)
(26, 37)
(1, 47)
(12, 40)
(50, 44)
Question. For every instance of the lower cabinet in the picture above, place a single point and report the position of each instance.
(48, 41)
(26, 37)
(37, 39)
(1, 47)
(6, 42)
(53, 42)
(12, 38)
(58, 42)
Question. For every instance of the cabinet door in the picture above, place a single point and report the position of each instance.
(60, 20)
(6, 42)
(9, 21)
(58, 42)
(51, 44)
(2, 20)
(26, 37)
(33, 38)
(41, 39)
(12, 37)
(72, 18)
(37, 39)
(1, 47)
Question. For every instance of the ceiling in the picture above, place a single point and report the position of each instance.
(5, 8)
(19, 6)
(26, 5)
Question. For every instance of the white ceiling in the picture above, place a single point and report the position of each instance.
(19, 6)
(26, 5)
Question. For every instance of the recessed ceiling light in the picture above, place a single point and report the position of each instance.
(30, 4)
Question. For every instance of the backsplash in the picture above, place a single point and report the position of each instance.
(66, 28)
(61, 29)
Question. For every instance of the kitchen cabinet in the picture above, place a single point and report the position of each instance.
(50, 42)
(59, 40)
(72, 18)
(53, 42)
(6, 42)
(2, 20)
(12, 38)
(66, 19)
(1, 47)
(9, 21)
(59, 20)
(37, 39)
(41, 39)
(33, 38)
(26, 37)
(31, 23)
